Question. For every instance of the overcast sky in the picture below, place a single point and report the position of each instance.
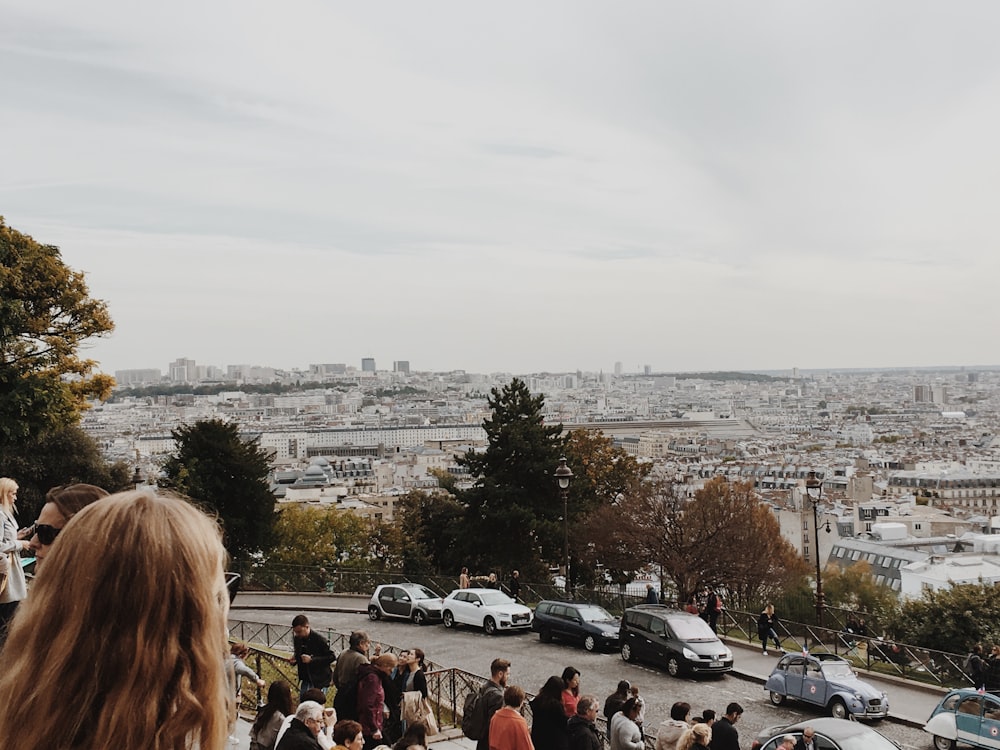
(517, 186)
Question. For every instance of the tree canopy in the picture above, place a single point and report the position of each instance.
(46, 315)
(214, 466)
(513, 513)
(952, 619)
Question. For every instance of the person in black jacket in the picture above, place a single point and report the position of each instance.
(724, 734)
(548, 720)
(581, 728)
(305, 726)
(312, 656)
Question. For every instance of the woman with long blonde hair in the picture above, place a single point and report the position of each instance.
(122, 643)
(10, 549)
(700, 735)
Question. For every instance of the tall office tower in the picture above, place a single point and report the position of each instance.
(401, 365)
(922, 394)
(618, 369)
(368, 364)
(939, 394)
(647, 369)
(183, 371)
(137, 377)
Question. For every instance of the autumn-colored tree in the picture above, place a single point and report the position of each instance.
(46, 315)
(319, 537)
(723, 537)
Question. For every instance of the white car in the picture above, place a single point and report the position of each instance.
(488, 609)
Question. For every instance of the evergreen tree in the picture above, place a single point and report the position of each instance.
(215, 467)
(514, 512)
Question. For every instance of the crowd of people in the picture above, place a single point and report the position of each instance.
(983, 668)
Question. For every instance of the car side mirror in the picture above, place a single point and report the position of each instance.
(478, 604)
(406, 599)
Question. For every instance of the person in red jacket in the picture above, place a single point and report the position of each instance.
(508, 729)
(371, 697)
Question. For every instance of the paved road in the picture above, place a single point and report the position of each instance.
(533, 662)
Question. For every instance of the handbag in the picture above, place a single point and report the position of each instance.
(6, 562)
(416, 709)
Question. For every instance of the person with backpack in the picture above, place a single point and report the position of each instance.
(480, 705)
(975, 667)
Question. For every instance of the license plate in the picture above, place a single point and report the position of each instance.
(715, 664)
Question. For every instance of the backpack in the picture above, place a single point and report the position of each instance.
(475, 724)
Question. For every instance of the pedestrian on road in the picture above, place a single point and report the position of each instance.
(724, 734)
(571, 690)
(671, 731)
(508, 729)
(582, 728)
(548, 719)
(625, 733)
(766, 624)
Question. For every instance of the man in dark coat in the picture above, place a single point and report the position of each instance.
(312, 656)
(305, 727)
(724, 734)
(582, 728)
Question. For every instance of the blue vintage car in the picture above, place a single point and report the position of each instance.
(829, 681)
(966, 716)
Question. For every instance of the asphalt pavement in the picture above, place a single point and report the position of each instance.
(910, 702)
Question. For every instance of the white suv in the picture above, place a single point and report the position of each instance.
(488, 609)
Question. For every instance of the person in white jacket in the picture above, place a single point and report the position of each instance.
(670, 731)
(625, 733)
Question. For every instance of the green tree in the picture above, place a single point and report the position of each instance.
(227, 474)
(46, 314)
(513, 512)
(432, 528)
(952, 619)
(854, 588)
(65, 455)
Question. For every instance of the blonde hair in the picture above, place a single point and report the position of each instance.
(700, 732)
(122, 643)
(7, 489)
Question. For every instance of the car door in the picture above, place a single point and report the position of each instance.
(637, 634)
(989, 729)
(661, 638)
(470, 609)
(794, 676)
(968, 718)
(564, 620)
(387, 600)
(814, 685)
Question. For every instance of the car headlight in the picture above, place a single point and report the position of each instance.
(727, 655)
(505, 618)
(689, 654)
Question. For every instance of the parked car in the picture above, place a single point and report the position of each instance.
(831, 734)
(678, 641)
(409, 601)
(489, 609)
(829, 681)
(966, 716)
(588, 624)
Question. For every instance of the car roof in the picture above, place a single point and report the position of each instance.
(569, 604)
(836, 728)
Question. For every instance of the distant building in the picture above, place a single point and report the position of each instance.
(137, 377)
(942, 572)
(183, 371)
(401, 365)
(618, 368)
(368, 364)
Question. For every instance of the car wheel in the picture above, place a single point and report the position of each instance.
(449, 619)
(943, 743)
(627, 652)
(419, 617)
(837, 709)
(777, 698)
(589, 643)
(490, 626)
(545, 635)
(373, 612)
(673, 666)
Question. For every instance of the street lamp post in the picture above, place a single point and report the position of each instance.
(814, 489)
(563, 476)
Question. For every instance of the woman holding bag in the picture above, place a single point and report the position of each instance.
(15, 588)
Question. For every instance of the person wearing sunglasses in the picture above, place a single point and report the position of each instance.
(127, 616)
(10, 552)
(61, 504)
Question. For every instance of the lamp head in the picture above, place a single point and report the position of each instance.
(563, 474)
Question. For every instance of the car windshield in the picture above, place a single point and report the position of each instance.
(493, 598)
(692, 629)
(420, 592)
(594, 614)
(837, 670)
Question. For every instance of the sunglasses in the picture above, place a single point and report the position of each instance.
(46, 534)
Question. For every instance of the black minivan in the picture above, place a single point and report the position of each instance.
(588, 624)
(679, 642)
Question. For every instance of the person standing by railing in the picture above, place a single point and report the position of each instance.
(12, 575)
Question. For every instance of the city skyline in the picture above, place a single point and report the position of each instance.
(537, 188)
